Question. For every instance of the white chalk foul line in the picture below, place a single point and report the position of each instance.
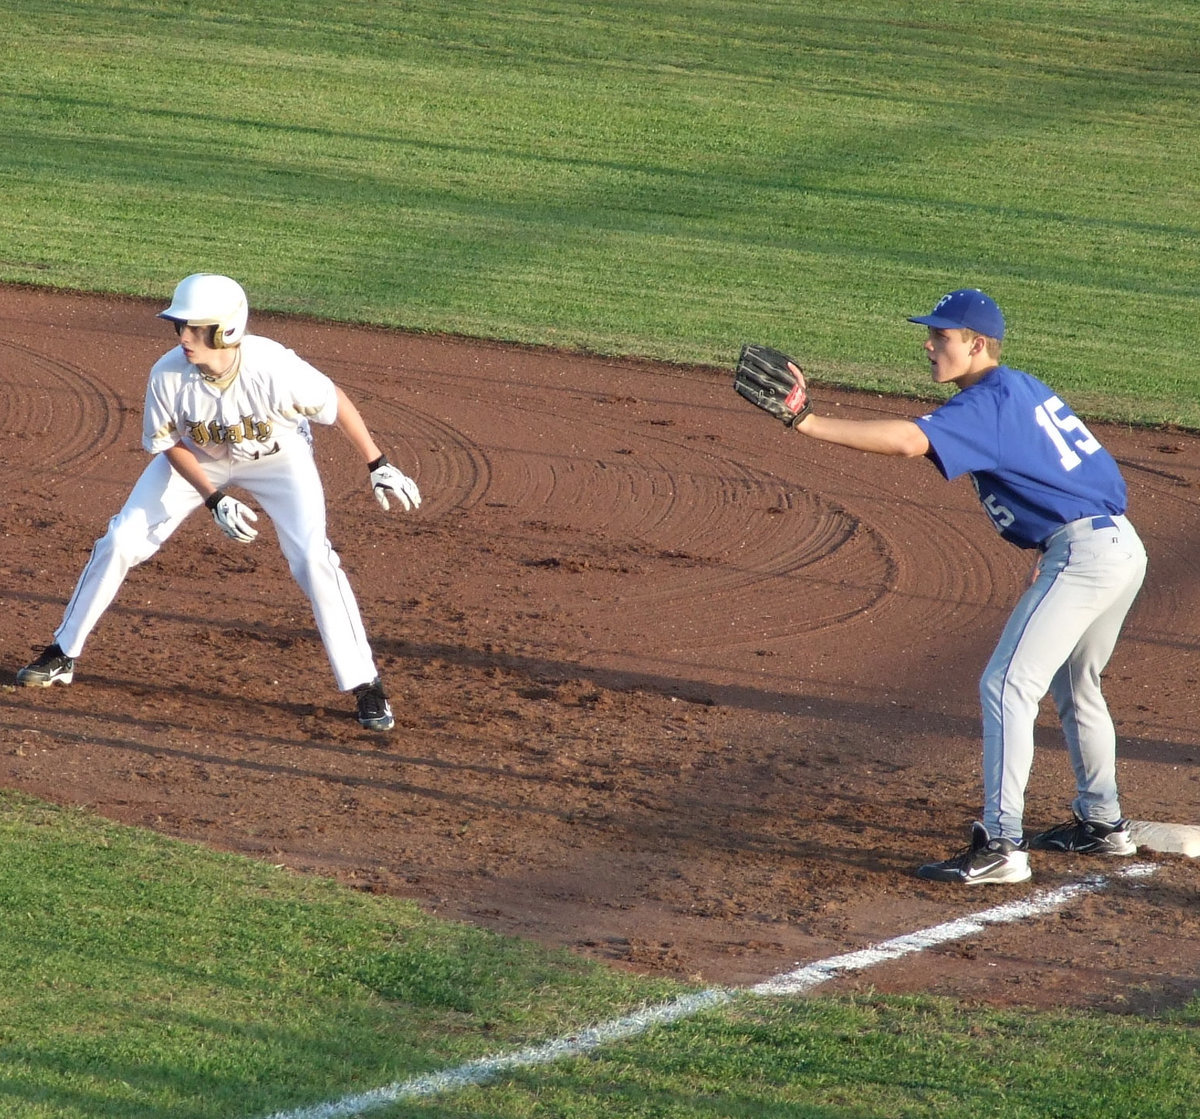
(487, 1068)
(791, 983)
(812, 975)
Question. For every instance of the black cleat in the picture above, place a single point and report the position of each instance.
(984, 860)
(1086, 837)
(374, 711)
(52, 667)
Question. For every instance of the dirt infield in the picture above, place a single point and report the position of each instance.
(674, 688)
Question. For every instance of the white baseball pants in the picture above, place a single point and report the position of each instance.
(288, 487)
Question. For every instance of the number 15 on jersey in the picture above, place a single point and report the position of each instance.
(1068, 432)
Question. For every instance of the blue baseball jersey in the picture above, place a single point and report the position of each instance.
(1034, 464)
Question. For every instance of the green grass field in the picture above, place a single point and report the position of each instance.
(661, 178)
(656, 177)
(142, 977)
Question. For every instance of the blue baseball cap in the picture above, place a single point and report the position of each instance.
(967, 307)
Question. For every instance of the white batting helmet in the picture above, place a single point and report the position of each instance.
(205, 299)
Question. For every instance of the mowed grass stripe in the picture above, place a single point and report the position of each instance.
(664, 179)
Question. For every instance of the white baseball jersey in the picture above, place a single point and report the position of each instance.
(267, 407)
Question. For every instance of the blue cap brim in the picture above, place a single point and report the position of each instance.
(937, 322)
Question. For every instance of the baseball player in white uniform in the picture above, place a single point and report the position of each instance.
(226, 408)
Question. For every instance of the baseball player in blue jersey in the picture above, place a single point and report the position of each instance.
(1047, 485)
(226, 408)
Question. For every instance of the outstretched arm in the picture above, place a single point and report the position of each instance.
(352, 425)
(385, 478)
(882, 437)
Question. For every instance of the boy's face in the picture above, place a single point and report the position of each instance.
(196, 342)
(951, 355)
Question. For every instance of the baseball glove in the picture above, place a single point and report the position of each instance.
(762, 376)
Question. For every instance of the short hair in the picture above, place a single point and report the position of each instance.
(992, 345)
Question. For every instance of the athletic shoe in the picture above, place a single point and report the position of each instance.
(374, 711)
(1086, 837)
(52, 667)
(983, 860)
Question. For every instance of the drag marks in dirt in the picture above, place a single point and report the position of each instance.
(673, 516)
(54, 415)
(690, 505)
(800, 981)
(714, 544)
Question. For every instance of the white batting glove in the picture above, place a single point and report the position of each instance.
(232, 517)
(387, 481)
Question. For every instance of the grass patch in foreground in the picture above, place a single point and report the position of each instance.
(141, 976)
(146, 977)
(856, 1058)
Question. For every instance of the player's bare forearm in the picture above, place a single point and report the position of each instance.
(188, 467)
(881, 437)
(387, 482)
(352, 425)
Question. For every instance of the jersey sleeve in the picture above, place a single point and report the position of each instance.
(159, 416)
(964, 433)
(311, 395)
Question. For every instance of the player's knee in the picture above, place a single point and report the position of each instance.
(129, 539)
(991, 683)
(1011, 687)
(311, 572)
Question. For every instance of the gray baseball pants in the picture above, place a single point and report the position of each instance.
(1059, 639)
